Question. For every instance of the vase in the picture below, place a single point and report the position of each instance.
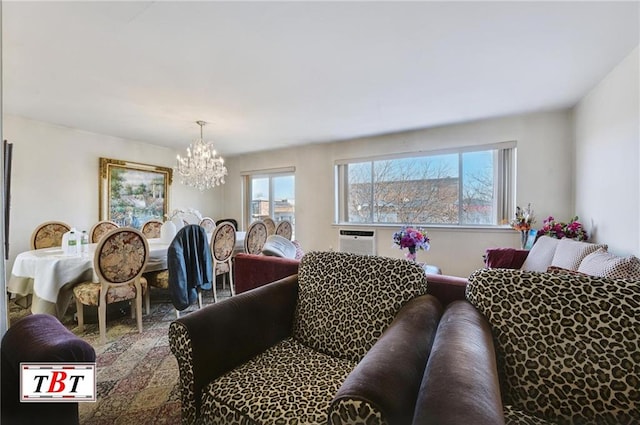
(523, 238)
(411, 255)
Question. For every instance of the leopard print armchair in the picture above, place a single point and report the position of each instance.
(567, 346)
(344, 341)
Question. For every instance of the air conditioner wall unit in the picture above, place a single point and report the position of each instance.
(357, 241)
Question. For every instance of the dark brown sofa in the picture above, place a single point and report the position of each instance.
(39, 338)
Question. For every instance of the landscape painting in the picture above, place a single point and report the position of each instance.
(132, 193)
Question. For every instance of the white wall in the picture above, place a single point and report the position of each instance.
(55, 177)
(544, 158)
(607, 139)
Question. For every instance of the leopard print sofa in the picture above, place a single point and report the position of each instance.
(344, 304)
(568, 346)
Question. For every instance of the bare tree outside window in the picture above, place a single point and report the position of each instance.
(425, 189)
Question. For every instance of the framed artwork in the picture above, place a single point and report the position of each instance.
(132, 193)
(531, 238)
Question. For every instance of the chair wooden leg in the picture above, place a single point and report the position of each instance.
(177, 313)
(231, 284)
(147, 300)
(199, 299)
(215, 293)
(102, 322)
(80, 315)
(139, 311)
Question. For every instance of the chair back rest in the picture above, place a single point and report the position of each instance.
(567, 345)
(223, 242)
(284, 229)
(255, 237)
(151, 229)
(100, 229)
(230, 220)
(121, 256)
(346, 301)
(49, 234)
(209, 224)
(271, 225)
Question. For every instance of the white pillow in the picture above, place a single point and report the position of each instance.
(541, 254)
(569, 253)
(605, 264)
(279, 246)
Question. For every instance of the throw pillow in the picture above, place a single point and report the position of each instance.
(540, 255)
(605, 264)
(569, 253)
(279, 246)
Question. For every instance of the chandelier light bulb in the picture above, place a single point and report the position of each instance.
(201, 168)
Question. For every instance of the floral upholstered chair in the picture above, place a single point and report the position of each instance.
(151, 228)
(49, 234)
(271, 225)
(284, 229)
(100, 229)
(119, 261)
(208, 223)
(223, 241)
(346, 340)
(255, 237)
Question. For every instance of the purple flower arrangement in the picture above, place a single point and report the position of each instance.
(559, 230)
(412, 238)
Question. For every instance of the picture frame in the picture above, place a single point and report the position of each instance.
(132, 193)
(531, 238)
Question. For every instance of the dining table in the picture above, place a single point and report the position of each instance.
(44, 278)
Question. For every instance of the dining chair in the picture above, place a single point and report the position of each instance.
(255, 237)
(284, 229)
(223, 242)
(100, 229)
(151, 228)
(208, 223)
(271, 225)
(49, 234)
(119, 261)
(230, 220)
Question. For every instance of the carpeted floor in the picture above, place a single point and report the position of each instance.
(136, 373)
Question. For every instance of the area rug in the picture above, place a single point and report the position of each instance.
(136, 373)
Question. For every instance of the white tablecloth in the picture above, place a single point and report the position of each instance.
(46, 272)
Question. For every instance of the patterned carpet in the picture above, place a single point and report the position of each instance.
(136, 373)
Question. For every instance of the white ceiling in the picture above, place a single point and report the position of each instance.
(275, 74)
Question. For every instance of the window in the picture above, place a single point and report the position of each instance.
(271, 194)
(463, 187)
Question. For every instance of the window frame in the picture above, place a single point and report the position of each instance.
(270, 174)
(504, 184)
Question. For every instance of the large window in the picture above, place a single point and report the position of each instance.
(463, 187)
(271, 194)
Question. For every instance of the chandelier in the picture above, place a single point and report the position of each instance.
(202, 167)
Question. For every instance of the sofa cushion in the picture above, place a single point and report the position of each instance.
(605, 264)
(288, 381)
(569, 253)
(567, 345)
(541, 254)
(346, 301)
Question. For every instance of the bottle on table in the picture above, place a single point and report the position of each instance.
(84, 243)
(73, 243)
